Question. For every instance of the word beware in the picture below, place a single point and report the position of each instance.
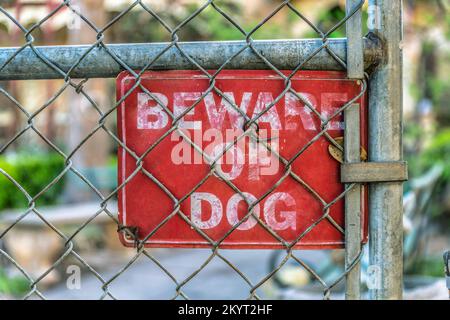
(298, 109)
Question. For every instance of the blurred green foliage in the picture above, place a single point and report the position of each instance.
(327, 20)
(208, 25)
(425, 147)
(429, 266)
(33, 172)
(438, 151)
(13, 286)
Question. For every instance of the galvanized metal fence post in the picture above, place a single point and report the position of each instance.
(385, 144)
(355, 70)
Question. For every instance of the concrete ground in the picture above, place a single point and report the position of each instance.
(145, 280)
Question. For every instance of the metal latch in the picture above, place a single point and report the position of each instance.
(364, 172)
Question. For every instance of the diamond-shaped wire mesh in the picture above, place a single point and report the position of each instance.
(171, 30)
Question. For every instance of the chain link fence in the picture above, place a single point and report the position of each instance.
(101, 59)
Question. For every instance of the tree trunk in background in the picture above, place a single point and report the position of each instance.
(83, 116)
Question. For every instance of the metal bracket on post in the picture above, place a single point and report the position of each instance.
(355, 70)
(353, 239)
(365, 172)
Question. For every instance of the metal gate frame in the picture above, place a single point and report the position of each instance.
(376, 57)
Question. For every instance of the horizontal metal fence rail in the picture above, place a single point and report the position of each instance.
(101, 61)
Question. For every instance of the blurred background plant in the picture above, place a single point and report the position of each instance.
(427, 96)
(42, 167)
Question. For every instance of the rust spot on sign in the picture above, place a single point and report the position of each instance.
(338, 154)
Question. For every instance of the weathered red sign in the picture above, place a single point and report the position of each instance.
(203, 166)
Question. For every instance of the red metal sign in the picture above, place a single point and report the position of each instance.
(200, 171)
